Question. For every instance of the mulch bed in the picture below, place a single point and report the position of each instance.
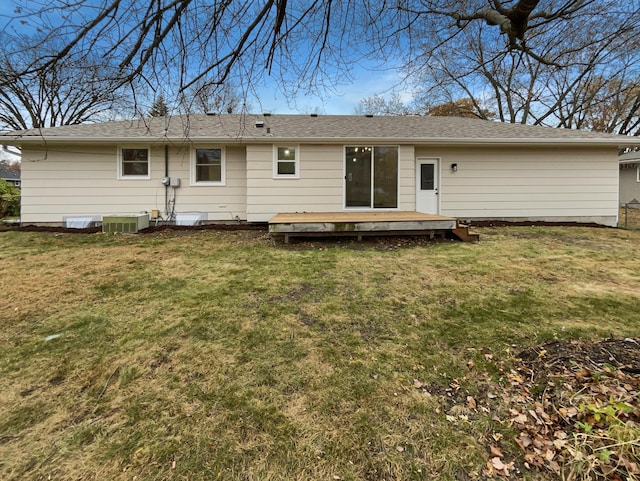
(148, 230)
(575, 406)
(622, 354)
(504, 223)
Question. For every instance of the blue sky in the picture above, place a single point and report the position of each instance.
(345, 99)
(370, 79)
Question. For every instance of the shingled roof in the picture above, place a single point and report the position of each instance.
(7, 174)
(250, 128)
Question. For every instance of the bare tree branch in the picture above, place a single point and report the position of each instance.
(511, 53)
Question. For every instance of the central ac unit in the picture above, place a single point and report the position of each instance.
(127, 223)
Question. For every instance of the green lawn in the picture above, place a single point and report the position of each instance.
(225, 355)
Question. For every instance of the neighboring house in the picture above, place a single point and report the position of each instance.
(11, 176)
(251, 167)
(629, 177)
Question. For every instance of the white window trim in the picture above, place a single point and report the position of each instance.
(296, 160)
(121, 176)
(638, 173)
(223, 167)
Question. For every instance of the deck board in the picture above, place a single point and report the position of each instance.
(322, 217)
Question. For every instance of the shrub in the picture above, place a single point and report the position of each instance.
(9, 200)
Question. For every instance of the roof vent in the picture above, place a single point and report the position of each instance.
(267, 114)
(314, 115)
(259, 124)
(211, 113)
(368, 115)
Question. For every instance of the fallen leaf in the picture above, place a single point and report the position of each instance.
(495, 451)
(521, 419)
(471, 402)
(572, 412)
(539, 442)
(555, 467)
(559, 443)
(630, 466)
(400, 449)
(582, 373)
(525, 440)
(497, 463)
(489, 471)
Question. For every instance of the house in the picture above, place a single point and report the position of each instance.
(10, 175)
(630, 177)
(252, 167)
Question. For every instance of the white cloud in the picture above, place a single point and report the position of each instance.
(9, 154)
(366, 82)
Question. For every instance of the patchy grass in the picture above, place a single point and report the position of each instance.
(212, 355)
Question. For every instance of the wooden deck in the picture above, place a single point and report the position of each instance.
(319, 224)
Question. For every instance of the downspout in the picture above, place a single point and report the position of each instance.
(166, 174)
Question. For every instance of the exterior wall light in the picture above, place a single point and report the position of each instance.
(454, 167)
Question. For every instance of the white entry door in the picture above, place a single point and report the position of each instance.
(427, 174)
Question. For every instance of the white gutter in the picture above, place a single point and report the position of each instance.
(619, 141)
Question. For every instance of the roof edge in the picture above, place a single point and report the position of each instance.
(38, 140)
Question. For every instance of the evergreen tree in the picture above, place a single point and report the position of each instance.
(159, 108)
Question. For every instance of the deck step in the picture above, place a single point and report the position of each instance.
(462, 233)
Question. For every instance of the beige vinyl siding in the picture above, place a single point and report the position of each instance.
(407, 192)
(67, 180)
(552, 184)
(513, 183)
(82, 180)
(320, 186)
(220, 202)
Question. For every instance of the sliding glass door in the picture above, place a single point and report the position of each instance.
(371, 177)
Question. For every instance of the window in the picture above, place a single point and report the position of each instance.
(208, 166)
(371, 177)
(134, 162)
(285, 162)
(427, 176)
(638, 173)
